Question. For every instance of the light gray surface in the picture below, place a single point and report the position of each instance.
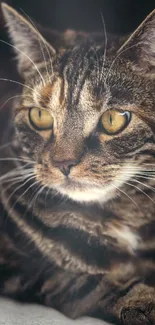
(12, 313)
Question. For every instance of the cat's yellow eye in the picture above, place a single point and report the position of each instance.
(114, 121)
(40, 119)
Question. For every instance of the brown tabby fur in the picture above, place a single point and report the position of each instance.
(82, 243)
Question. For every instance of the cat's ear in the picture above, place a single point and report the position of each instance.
(140, 47)
(29, 45)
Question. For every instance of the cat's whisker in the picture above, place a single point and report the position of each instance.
(19, 83)
(16, 183)
(141, 172)
(30, 161)
(142, 176)
(18, 179)
(140, 165)
(15, 172)
(152, 178)
(6, 145)
(26, 56)
(115, 59)
(47, 49)
(32, 198)
(145, 185)
(20, 166)
(98, 66)
(138, 168)
(13, 97)
(17, 159)
(46, 197)
(24, 158)
(26, 191)
(19, 171)
(105, 46)
(19, 187)
(58, 194)
(40, 43)
(9, 174)
(142, 168)
(139, 189)
(37, 195)
(120, 190)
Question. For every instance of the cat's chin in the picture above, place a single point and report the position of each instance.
(85, 195)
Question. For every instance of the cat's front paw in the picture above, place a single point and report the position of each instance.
(141, 312)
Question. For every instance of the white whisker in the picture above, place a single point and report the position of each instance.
(40, 43)
(15, 159)
(5, 145)
(19, 198)
(18, 179)
(47, 193)
(145, 185)
(26, 57)
(18, 83)
(105, 46)
(33, 197)
(37, 195)
(16, 171)
(127, 196)
(118, 55)
(138, 174)
(139, 189)
(17, 96)
(19, 187)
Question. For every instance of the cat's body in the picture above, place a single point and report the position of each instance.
(77, 224)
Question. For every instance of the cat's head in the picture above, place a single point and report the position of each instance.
(87, 113)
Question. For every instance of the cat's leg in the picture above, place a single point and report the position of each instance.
(76, 295)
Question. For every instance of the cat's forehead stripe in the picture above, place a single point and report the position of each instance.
(45, 95)
(50, 90)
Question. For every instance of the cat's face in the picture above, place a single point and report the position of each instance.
(84, 118)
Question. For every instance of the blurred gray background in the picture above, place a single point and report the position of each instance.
(121, 16)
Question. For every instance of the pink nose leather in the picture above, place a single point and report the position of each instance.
(65, 165)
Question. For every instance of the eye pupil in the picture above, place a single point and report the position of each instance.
(39, 113)
(110, 118)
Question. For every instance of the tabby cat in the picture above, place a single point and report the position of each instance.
(77, 211)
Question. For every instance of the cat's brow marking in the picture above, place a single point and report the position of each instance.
(52, 94)
(46, 93)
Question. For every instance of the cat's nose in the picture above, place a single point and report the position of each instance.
(65, 165)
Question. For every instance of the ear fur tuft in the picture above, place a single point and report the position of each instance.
(140, 47)
(29, 45)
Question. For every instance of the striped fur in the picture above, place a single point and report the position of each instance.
(83, 244)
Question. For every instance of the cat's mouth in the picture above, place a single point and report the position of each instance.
(86, 192)
(77, 184)
(84, 189)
